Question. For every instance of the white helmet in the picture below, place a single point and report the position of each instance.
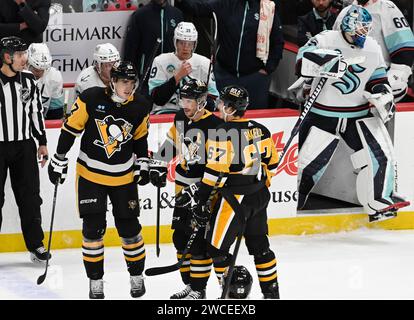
(105, 52)
(39, 56)
(185, 31)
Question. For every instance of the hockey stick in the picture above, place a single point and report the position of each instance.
(308, 105)
(157, 231)
(233, 261)
(174, 267)
(147, 71)
(43, 276)
(213, 49)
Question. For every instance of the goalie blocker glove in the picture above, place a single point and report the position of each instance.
(158, 173)
(58, 168)
(383, 100)
(141, 171)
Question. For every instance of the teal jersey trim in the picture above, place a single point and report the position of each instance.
(56, 103)
(399, 39)
(334, 114)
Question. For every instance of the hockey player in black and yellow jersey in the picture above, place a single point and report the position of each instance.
(187, 139)
(113, 158)
(239, 163)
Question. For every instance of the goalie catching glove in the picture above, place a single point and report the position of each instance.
(58, 168)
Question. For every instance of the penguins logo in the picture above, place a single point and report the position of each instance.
(114, 133)
(190, 149)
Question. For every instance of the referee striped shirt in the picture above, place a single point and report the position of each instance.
(21, 110)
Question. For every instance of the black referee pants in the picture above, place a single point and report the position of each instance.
(20, 158)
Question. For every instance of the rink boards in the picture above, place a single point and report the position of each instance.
(283, 217)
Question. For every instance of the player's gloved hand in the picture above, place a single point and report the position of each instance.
(188, 196)
(58, 168)
(141, 171)
(201, 216)
(398, 75)
(383, 100)
(158, 173)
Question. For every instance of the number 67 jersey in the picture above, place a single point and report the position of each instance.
(242, 153)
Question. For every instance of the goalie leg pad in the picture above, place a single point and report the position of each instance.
(314, 157)
(375, 181)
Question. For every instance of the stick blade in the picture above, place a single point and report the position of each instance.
(41, 279)
(160, 270)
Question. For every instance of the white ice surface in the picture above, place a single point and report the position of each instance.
(362, 264)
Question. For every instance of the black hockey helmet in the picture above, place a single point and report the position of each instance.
(124, 70)
(12, 45)
(240, 283)
(235, 96)
(193, 89)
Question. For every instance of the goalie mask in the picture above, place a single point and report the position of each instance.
(358, 24)
(120, 74)
(240, 283)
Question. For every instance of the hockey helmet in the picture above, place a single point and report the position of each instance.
(39, 56)
(240, 283)
(12, 45)
(124, 70)
(235, 96)
(358, 23)
(105, 52)
(193, 89)
(185, 31)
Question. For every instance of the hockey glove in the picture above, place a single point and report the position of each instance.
(201, 216)
(188, 197)
(141, 171)
(158, 173)
(58, 169)
(398, 75)
(383, 100)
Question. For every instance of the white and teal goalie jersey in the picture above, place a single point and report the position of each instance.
(344, 97)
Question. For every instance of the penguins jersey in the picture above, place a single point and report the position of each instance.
(51, 89)
(88, 78)
(189, 140)
(343, 97)
(166, 65)
(112, 134)
(242, 153)
(390, 29)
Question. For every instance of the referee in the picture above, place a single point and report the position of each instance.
(21, 119)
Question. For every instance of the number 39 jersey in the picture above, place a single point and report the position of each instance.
(241, 153)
